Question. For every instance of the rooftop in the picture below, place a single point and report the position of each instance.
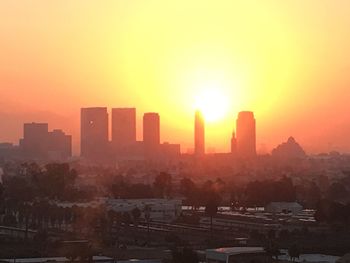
(236, 250)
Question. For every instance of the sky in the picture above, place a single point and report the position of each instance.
(287, 61)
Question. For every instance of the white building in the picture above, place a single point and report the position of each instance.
(284, 207)
(237, 255)
(165, 210)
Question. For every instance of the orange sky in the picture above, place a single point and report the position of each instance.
(288, 61)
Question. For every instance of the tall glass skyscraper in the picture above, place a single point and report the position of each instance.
(246, 134)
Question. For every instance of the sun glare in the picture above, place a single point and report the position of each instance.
(213, 104)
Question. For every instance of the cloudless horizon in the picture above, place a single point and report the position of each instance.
(287, 61)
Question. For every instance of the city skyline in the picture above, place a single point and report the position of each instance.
(175, 131)
(115, 54)
(101, 127)
(112, 134)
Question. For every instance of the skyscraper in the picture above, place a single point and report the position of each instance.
(94, 133)
(246, 135)
(199, 134)
(39, 143)
(151, 134)
(35, 140)
(233, 144)
(59, 145)
(123, 127)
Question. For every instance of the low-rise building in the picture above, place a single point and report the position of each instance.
(284, 207)
(237, 255)
(164, 210)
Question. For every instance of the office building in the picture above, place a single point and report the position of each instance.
(8, 151)
(199, 134)
(94, 133)
(246, 135)
(40, 144)
(59, 145)
(34, 144)
(170, 151)
(151, 134)
(123, 128)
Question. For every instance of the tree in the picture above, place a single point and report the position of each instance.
(187, 186)
(260, 193)
(338, 192)
(162, 185)
(9, 220)
(294, 252)
(139, 191)
(211, 209)
(40, 239)
(57, 178)
(126, 219)
(19, 190)
(74, 250)
(332, 212)
(187, 255)
(272, 250)
(1, 191)
(191, 192)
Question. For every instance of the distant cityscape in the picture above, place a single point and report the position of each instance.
(38, 143)
(113, 113)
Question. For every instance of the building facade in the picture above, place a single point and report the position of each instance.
(123, 128)
(151, 134)
(94, 133)
(59, 145)
(34, 144)
(199, 134)
(246, 135)
(40, 144)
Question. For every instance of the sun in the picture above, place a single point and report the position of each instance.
(213, 104)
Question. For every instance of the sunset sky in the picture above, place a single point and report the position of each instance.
(288, 61)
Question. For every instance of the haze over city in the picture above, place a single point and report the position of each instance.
(287, 61)
(187, 131)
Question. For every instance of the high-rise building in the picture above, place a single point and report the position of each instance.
(246, 135)
(94, 133)
(123, 128)
(170, 151)
(233, 144)
(199, 134)
(35, 140)
(39, 143)
(59, 145)
(151, 134)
